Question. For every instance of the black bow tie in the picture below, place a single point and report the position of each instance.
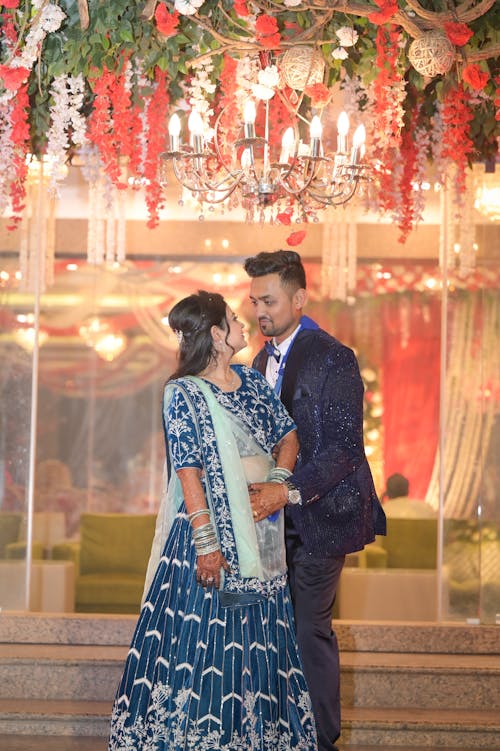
(272, 351)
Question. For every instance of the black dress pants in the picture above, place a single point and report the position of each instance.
(313, 585)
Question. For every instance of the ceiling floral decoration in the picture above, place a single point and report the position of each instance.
(81, 79)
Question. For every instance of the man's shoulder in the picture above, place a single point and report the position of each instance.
(319, 341)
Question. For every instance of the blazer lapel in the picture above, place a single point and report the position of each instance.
(293, 363)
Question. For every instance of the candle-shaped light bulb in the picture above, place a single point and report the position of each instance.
(315, 131)
(358, 141)
(342, 130)
(174, 129)
(287, 144)
(249, 115)
(195, 125)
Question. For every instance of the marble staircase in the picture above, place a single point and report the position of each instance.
(423, 685)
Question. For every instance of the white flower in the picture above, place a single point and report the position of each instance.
(269, 76)
(262, 92)
(339, 53)
(347, 36)
(188, 7)
(49, 20)
(292, 3)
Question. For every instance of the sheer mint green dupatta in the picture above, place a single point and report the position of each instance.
(237, 449)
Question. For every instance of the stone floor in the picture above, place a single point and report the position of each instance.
(53, 743)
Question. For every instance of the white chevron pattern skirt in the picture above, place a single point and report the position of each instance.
(202, 676)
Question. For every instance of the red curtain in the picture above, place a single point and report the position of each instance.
(410, 387)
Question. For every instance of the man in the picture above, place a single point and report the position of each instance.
(331, 507)
(398, 505)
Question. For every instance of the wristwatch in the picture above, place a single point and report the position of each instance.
(294, 496)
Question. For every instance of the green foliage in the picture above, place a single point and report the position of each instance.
(117, 33)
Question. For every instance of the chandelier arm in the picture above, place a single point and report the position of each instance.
(228, 192)
(305, 186)
(332, 200)
(206, 185)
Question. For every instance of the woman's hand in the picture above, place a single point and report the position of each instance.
(208, 568)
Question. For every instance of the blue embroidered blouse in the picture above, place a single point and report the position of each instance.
(254, 403)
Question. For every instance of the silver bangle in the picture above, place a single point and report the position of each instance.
(196, 514)
(205, 539)
(278, 474)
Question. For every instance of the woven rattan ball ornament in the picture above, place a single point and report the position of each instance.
(302, 66)
(432, 54)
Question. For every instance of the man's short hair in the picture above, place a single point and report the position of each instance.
(286, 263)
(397, 486)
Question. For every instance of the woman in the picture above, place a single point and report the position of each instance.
(214, 662)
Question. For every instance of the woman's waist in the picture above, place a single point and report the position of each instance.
(256, 467)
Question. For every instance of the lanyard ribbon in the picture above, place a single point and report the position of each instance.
(305, 323)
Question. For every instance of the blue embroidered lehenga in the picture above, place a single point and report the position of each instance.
(211, 669)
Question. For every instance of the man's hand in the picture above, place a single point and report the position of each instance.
(266, 498)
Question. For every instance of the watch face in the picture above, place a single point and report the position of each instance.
(294, 496)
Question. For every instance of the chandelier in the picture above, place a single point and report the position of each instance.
(99, 336)
(487, 197)
(250, 175)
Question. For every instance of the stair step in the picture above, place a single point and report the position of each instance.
(43, 717)
(372, 727)
(420, 680)
(353, 636)
(434, 728)
(60, 672)
(368, 679)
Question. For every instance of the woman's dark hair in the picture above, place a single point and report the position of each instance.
(192, 319)
(286, 263)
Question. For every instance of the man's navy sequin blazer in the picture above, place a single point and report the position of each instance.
(323, 392)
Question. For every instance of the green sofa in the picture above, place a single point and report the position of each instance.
(12, 537)
(111, 560)
(471, 560)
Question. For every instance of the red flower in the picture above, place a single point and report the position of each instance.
(13, 78)
(241, 9)
(474, 76)
(296, 237)
(166, 22)
(388, 8)
(157, 131)
(10, 3)
(457, 142)
(458, 33)
(318, 93)
(20, 137)
(267, 32)
(285, 217)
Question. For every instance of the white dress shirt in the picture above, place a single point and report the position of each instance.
(273, 366)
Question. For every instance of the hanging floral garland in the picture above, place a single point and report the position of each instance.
(45, 50)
